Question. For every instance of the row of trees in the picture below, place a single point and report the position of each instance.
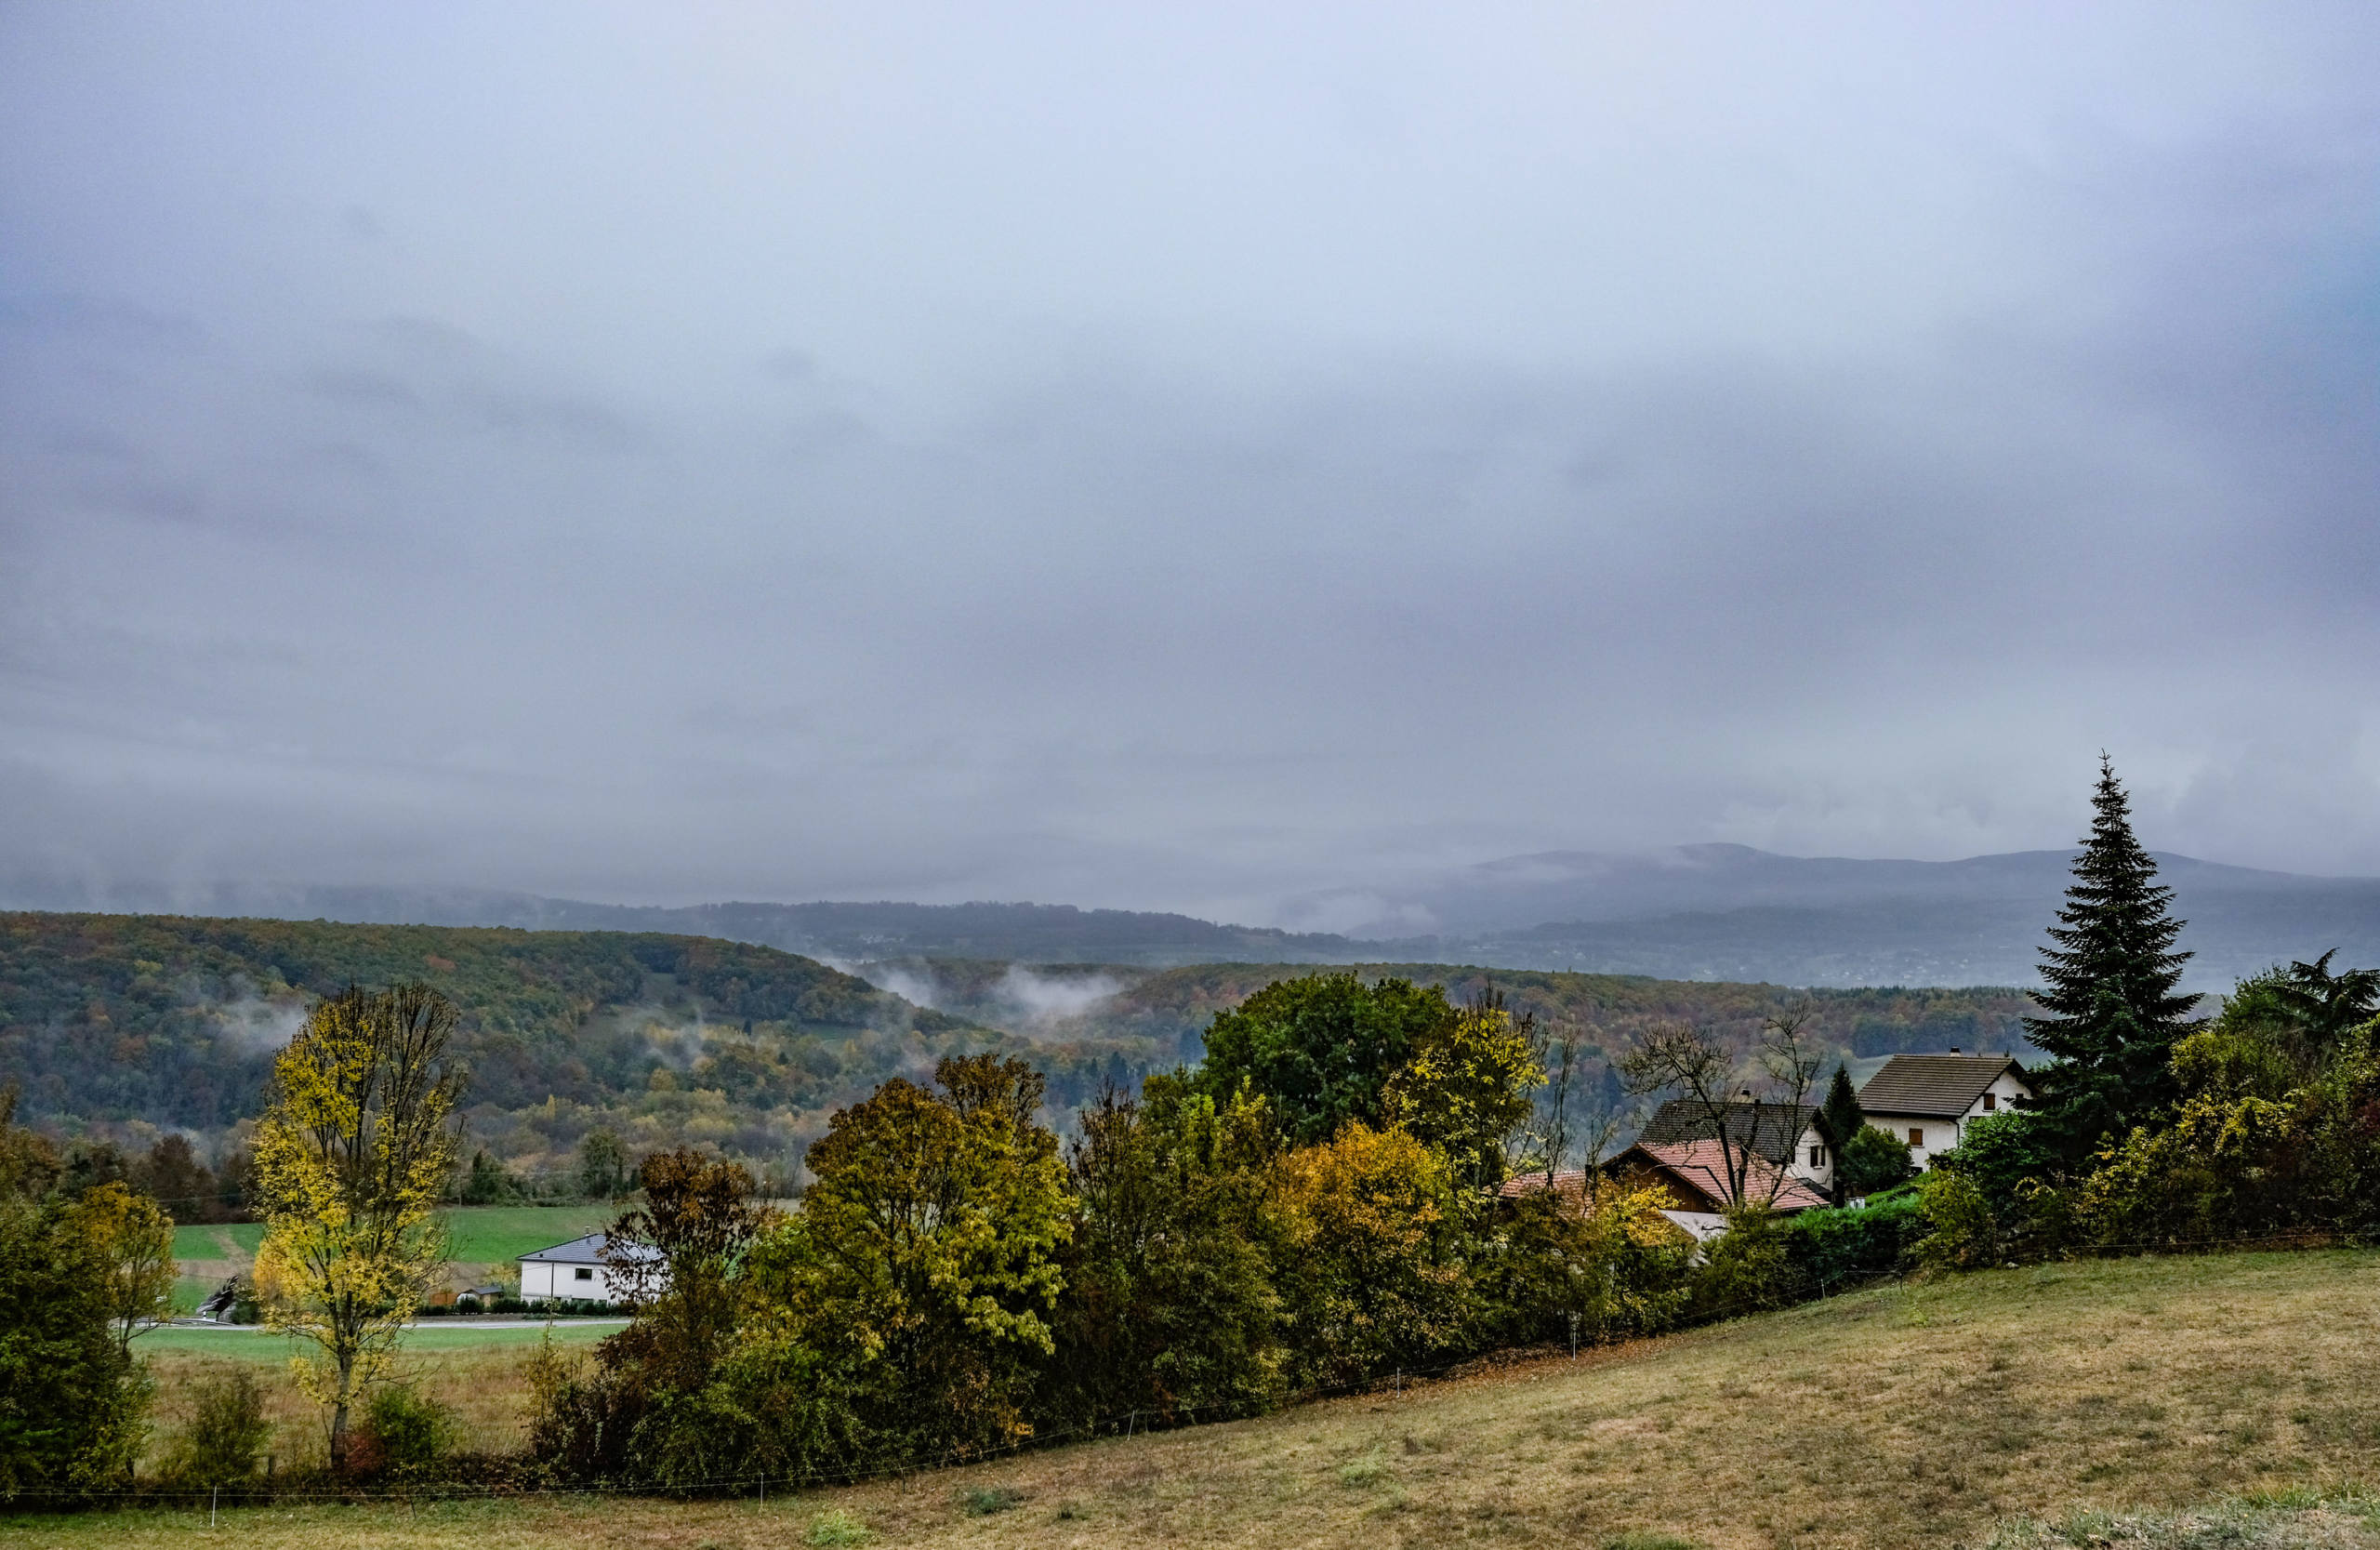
(1316, 1204)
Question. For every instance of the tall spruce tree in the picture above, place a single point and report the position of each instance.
(1840, 1121)
(2109, 974)
(1840, 1116)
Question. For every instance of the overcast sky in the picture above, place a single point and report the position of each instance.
(1177, 456)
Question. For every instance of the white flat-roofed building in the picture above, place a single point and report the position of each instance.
(579, 1269)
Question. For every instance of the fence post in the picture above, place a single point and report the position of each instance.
(213, 1497)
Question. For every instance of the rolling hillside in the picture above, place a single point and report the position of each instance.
(170, 1022)
(1160, 1015)
(132, 1025)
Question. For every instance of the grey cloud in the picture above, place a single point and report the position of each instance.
(1460, 447)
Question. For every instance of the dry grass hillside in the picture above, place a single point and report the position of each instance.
(2004, 1407)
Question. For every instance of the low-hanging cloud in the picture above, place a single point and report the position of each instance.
(1036, 997)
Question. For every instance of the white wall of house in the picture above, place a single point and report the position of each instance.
(1929, 1134)
(1813, 1159)
(541, 1279)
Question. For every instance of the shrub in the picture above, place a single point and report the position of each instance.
(983, 1501)
(1840, 1248)
(408, 1433)
(1962, 1232)
(1747, 1268)
(1599, 1269)
(1871, 1161)
(226, 1431)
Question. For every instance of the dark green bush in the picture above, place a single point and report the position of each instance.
(1873, 1161)
(226, 1431)
(409, 1434)
(1841, 1248)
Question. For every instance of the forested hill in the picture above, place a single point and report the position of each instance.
(1164, 1013)
(172, 1021)
(130, 1023)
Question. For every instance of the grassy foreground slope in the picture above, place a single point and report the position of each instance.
(1901, 1416)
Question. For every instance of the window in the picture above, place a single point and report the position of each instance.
(1916, 1135)
(582, 1274)
(1818, 1157)
(1990, 1102)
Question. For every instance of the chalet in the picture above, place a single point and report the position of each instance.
(1694, 1175)
(1696, 1179)
(1926, 1100)
(1786, 1134)
(584, 1267)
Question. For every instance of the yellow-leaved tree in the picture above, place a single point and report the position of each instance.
(355, 1148)
(134, 1239)
(1468, 1087)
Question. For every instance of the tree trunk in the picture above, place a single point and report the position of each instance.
(338, 1414)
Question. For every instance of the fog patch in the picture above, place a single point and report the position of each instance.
(916, 989)
(1031, 996)
(252, 1024)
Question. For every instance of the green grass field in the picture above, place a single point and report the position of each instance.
(209, 1242)
(2169, 1404)
(484, 1234)
(234, 1342)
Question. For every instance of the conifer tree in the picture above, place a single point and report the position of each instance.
(1840, 1116)
(2109, 980)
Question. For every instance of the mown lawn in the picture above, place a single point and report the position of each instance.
(227, 1241)
(488, 1235)
(1923, 1415)
(482, 1235)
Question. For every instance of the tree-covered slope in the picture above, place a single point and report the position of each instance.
(1166, 1011)
(173, 1020)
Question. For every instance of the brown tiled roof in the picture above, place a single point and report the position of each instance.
(1701, 1166)
(1774, 1130)
(1569, 1181)
(1933, 1086)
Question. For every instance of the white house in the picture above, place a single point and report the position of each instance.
(577, 1269)
(1927, 1100)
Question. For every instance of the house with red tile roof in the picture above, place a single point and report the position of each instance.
(1696, 1177)
(1693, 1175)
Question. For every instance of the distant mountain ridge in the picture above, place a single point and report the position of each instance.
(1700, 912)
(1731, 912)
(835, 931)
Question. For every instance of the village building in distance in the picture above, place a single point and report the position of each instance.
(1925, 1100)
(578, 1269)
